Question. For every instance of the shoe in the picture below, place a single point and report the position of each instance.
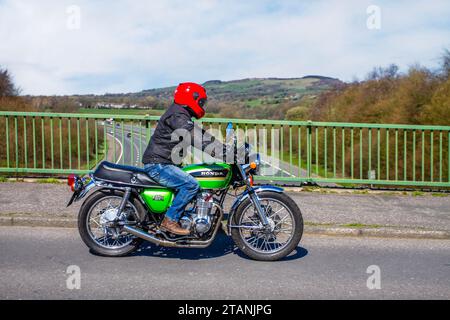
(173, 227)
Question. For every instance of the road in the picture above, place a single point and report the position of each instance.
(34, 263)
(131, 147)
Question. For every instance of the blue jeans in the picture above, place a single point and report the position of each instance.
(173, 177)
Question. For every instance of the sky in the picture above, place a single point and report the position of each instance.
(57, 47)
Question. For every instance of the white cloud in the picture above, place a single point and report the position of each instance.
(127, 46)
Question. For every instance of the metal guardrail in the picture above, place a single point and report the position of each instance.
(315, 152)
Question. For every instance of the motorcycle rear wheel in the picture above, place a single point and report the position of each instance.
(89, 224)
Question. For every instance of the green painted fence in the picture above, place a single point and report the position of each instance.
(317, 152)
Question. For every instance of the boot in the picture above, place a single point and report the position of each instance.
(173, 227)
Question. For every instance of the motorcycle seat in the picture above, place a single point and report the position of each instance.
(123, 175)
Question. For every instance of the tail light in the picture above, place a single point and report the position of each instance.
(71, 180)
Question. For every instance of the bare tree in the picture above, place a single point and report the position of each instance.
(378, 73)
(445, 63)
(7, 87)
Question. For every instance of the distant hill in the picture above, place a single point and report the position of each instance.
(275, 88)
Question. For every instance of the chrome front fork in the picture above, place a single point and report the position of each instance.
(256, 202)
(259, 209)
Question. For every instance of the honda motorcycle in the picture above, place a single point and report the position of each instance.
(127, 208)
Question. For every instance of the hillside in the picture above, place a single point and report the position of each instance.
(255, 87)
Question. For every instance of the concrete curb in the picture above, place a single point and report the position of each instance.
(382, 232)
(38, 222)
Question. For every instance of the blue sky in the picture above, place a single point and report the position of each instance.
(130, 45)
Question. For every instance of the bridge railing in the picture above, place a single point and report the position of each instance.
(295, 151)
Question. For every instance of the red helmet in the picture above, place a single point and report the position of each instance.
(193, 96)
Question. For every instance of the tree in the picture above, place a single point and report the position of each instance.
(379, 73)
(7, 87)
(298, 113)
(445, 63)
(438, 111)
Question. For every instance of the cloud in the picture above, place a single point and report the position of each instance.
(125, 46)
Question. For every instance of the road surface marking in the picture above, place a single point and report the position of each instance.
(121, 148)
(277, 168)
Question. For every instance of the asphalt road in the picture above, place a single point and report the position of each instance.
(131, 147)
(34, 264)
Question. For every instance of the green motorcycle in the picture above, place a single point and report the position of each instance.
(127, 207)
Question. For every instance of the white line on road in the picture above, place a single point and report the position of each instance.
(277, 168)
(136, 148)
(121, 147)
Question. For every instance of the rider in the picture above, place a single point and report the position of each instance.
(189, 101)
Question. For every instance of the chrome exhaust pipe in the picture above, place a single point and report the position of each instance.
(148, 237)
(165, 243)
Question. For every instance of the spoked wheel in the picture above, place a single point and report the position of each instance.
(276, 242)
(99, 227)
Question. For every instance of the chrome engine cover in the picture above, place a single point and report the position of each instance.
(200, 219)
(202, 225)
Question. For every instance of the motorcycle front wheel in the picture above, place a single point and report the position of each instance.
(285, 219)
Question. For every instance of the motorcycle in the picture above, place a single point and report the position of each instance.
(127, 208)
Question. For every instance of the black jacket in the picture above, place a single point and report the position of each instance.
(159, 149)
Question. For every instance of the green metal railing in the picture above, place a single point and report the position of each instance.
(317, 152)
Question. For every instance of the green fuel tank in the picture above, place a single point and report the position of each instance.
(210, 176)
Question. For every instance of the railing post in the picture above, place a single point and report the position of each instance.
(60, 144)
(96, 140)
(147, 126)
(299, 151)
(316, 142)
(7, 140)
(308, 149)
(113, 123)
(140, 140)
(105, 140)
(52, 145)
(69, 138)
(122, 124)
(34, 142)
(25, 143)
(16, 142)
